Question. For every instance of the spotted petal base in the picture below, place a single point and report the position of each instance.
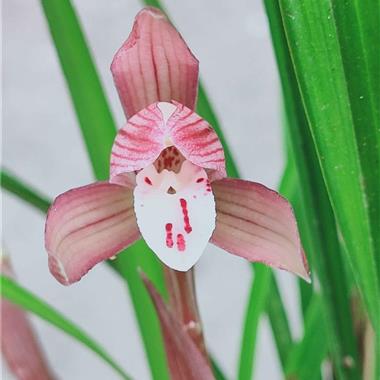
(175, 213)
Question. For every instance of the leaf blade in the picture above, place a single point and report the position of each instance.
(23, 298)
(317, 61)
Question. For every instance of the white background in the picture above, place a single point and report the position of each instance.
(42, 144)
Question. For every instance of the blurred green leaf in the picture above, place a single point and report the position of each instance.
(300, 364)
(28, 194)
(255, 308)
(330, 97)
(218, 373)
(86, 91)
(261, 299)
(26, 300)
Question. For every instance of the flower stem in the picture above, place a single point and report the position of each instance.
(183, 303)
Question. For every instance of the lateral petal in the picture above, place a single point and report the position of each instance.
(258, 224)
(154, 64)
(87, 225)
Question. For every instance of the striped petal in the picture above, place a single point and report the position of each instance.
(196, 140)
(175, 213)
(258, 224)
(87, 225)
(154, 64)
(19, 345)
(140, 142)
(185, 362)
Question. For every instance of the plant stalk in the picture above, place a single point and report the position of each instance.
(183, 304)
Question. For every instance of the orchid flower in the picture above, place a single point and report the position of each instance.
(167, 176)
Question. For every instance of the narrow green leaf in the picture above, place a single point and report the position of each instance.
(256, 306)
(98, 131)
(13, 185)
(300, 364)
(263, 284)
(218, 373)
(318, 63)
(317, 224)
(23, 298)
(358, 31)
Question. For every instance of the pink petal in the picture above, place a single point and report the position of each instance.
(184, 359)
(141, 140)
(19, 345)
(258, 224)
(196, 140)
(154, 64)
(87, 225)
(175, 213)
(138, 143)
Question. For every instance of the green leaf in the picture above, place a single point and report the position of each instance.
(218, 373)
(23, 298)
(256, 306)
(263, 291)
(98, 131)
(86, 91)
(314, 212)
(319, 59)
(28, 194)
(300, 364)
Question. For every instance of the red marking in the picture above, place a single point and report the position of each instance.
(148, 181)
(199, 180)
(181, 244)
(176, 162)
(175, 152)
(185, 213)
(164, 153)
(169, 235)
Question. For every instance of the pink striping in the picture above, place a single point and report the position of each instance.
(87, 225)
(181, 243)
(169, 235)
(154, 64)
(197, 141)
(258, 224)
(185, 213)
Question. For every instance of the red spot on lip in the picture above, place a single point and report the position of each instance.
(185, 213)
(169, 235)
(148, 181)
(181, 244)
(199, 180)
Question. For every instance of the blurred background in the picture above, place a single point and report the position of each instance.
(43, 145)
